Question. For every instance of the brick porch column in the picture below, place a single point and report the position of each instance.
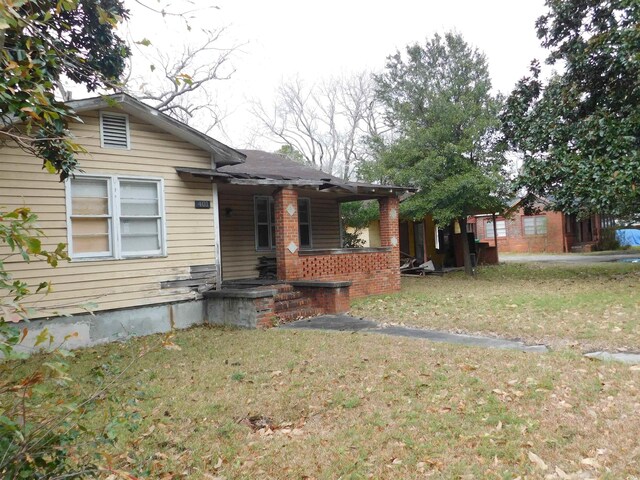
(390, 235)
(287, 241)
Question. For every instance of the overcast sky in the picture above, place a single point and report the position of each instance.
(283, 38)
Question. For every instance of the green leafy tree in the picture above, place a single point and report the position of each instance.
(579, 132)
(357, 215)
(291, 153)
(437, 98)
(42, 41)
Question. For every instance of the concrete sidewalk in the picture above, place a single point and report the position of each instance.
(345, 323)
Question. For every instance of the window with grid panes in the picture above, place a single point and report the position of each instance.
(115, 217)
(265, 222)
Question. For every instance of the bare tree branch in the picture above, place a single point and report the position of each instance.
(326, 122)
(182, 87)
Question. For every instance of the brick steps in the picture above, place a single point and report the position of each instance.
(284, 305)
(298, 313)
(291, 304)
(287, 296)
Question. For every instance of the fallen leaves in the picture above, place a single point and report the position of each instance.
(537, 461)
(266, 427)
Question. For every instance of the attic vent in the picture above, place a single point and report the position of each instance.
(114, 130)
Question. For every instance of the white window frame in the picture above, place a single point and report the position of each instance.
(488, 229)
(537, 221)
(126, 117)
(115, 237)
(270, 206)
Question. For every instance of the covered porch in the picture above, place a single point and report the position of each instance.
(293, 221)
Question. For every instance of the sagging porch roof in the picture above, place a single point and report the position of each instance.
(272, 169)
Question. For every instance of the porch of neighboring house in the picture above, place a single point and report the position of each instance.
(423, 240)
(584, 234)
(280, 247)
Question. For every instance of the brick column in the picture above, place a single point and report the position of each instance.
(287, 241)
(390, 235)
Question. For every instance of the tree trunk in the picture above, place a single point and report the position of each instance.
(468, 266)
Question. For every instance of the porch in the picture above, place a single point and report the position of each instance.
(294, 220)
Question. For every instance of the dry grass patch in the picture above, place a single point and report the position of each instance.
(293, 404)
(587, 306)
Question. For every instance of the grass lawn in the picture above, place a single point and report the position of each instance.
(293, 404)
(583, 306)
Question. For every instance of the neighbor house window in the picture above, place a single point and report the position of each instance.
(265, 222)
(535, 225)
(115, 217)
(114, 130)
(501, 227)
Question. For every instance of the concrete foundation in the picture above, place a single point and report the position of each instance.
(86, 330)
(244, 308)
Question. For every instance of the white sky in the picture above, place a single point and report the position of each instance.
(284, 38)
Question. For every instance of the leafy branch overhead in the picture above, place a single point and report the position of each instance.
(42, 41)
(579, 132)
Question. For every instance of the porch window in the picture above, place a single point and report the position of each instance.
(265, 222)
(115, 217)
(304, 222)
(501, 228)
(535, 225)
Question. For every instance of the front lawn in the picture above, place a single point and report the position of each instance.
(299, 404)
(583, 306)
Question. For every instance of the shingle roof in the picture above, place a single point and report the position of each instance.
(265, 168)
(274, 165)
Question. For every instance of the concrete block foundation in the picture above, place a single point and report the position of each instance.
(86, 330)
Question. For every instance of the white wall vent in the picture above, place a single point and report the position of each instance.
(114, 130)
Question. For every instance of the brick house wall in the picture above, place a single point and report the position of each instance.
(517, 241)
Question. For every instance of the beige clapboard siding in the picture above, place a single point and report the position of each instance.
(239, 255)
(237, 238)
(115, 283)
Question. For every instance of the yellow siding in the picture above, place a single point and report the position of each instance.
(239, 254)
(374, 233)
(115, 283)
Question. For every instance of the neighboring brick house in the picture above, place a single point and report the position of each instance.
(542, 232)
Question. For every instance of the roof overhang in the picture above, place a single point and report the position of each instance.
(349, 191)
(222, 154)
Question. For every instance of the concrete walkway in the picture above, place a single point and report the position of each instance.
(345, 323)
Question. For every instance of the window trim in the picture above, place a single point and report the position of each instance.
(310, 246)
(127, 129)
(535, 226)
(490, 229)
(115, 238)
(270, 204)
(270, 207)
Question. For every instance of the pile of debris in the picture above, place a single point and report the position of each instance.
(267, 268)
(410, 266)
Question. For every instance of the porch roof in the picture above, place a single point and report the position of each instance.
(264, 168)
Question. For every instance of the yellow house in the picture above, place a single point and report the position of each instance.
(159, 214)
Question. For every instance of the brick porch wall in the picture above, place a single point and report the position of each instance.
(370, 273)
